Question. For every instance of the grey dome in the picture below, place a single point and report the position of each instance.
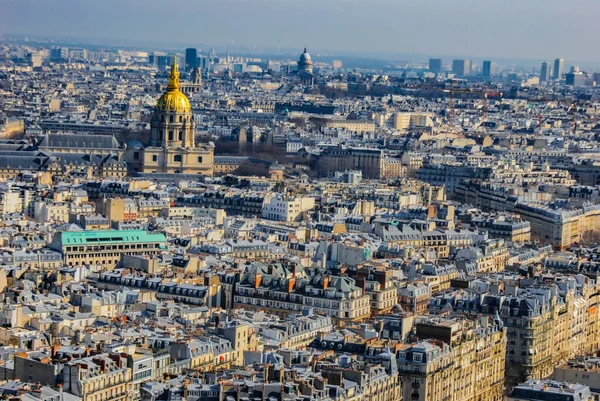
(305, 57)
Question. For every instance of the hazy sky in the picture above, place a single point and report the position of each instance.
(527, 29)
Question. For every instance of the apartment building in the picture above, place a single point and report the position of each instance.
(583, 370)
(460, 360)
(547, 323)
(352, 125)
(558, 224)
(546, 390)
(510, 228)
(374, 381)
(489, 256)
(338, 297)
(298, 331)
(380, 288)
(288, 210)
(414, 297)
(100, 377)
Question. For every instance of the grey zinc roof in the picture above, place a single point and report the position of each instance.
(79, 141)
(26, 161)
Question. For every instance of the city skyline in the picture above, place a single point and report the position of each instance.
(345, 200)
(435, 28)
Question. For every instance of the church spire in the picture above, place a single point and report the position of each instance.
(174, 77)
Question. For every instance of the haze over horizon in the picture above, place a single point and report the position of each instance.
(511, 29)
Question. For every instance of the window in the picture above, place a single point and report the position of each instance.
(177, 158)
(180, 118)
(136, 155)
(181, 135)
(154, 158)
(170, 119)
(170, 135)
(417, 357)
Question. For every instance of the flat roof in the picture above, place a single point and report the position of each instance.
(92, 237)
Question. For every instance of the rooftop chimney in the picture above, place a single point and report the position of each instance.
(257, 280)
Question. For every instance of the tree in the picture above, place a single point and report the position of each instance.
(127, 134)
(298, 121)
(247, 168)
(590, 238)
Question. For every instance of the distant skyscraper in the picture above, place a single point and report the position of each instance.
(59, 53)
(203, 62)
(545, 72)
(435, 65)
(489, 69)
(559, 68)
(191, 57)
(162, 61)
(34, 59)
(575, 78)
(461, 68)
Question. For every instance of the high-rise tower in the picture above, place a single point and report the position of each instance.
(435, 65)
(489, 69)
(559, 68)
(462, 68)
(191, 58)
(545, 72)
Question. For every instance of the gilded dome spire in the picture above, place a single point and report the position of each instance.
(173, 99)
(174, 77)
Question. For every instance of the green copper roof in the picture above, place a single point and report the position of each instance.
(94, 237)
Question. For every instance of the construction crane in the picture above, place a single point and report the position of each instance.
(572, 110)
(484, 93)
(451, 92)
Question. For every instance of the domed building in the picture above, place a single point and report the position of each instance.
(172, 147)
(305, 69)
(305, 63)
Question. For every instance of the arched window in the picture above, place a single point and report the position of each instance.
(170, 135)
(170, 119)
(180, 118)
(181, 135)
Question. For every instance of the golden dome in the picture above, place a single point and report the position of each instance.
(173, 99)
